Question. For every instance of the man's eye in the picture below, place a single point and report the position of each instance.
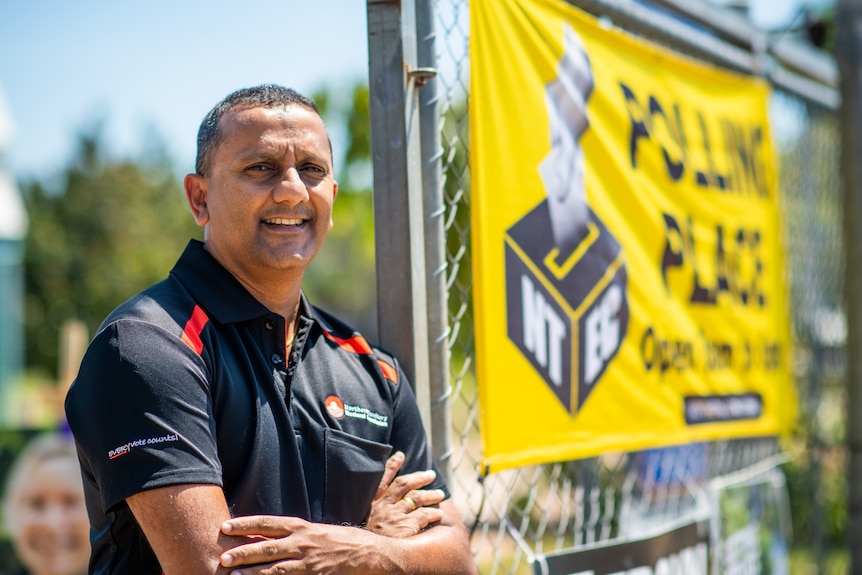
(258, 168)
(314, 171)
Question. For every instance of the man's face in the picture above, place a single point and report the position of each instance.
(266, 203)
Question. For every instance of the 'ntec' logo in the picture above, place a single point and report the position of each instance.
(565, 273)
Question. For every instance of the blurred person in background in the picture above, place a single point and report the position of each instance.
(44, 508)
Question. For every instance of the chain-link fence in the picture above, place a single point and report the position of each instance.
(518, 513)
(813, 219)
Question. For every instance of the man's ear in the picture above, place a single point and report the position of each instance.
(196, 195)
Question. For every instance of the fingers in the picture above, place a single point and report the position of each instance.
(428, 515)
(406, 515)
(260, 525)
(417, 521)
(404, 484)
(265, 551)
(422, 498)
(393, 488)
(410, 503)
(393, 466)
(269, 539)
(403, 523)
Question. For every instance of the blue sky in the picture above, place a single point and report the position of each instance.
(162, 64)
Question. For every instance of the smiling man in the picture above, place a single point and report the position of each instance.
(223, 423)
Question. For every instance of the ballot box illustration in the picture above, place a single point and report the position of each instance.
(566, 312)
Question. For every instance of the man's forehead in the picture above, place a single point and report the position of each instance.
(250, 114)
(268, 129)
(276, 121)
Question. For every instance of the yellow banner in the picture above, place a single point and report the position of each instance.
(629, 289)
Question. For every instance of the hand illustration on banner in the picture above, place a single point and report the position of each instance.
(562, 170)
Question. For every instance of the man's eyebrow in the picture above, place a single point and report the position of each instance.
(257, 155)
(263, 155)
(322, 159)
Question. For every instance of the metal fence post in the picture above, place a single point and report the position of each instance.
(435, 234)
(848, 17)
(399, 226)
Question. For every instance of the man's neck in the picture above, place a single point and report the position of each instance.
(278, 290)
(281, 297)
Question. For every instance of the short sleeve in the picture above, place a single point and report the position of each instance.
(408, 433)
(141, 412)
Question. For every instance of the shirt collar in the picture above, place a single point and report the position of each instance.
(222, 296)
(214, 288)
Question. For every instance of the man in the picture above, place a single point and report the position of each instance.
(220, 392)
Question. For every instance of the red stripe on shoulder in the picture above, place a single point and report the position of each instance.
(355, 344)
(193, 329)
(389, 371)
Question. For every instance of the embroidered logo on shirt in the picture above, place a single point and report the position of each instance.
(339, 409)
(127, 448)
(334, 406)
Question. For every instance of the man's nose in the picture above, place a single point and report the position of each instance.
(291, 188)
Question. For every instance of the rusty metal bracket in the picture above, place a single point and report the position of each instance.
(421, 75)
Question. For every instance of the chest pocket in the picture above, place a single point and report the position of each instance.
(354, 467)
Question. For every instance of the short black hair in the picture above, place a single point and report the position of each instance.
(263, 96)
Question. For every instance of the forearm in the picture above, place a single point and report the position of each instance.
(441, 548)
(183, 526)
(437, 550)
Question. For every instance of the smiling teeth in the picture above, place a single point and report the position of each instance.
(285, 221)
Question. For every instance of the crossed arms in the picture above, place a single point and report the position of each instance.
(191, 531)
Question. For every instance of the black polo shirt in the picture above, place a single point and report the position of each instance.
(187, 383)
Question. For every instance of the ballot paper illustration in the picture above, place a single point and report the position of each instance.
(562, 170)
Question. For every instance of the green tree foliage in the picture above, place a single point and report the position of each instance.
(106, 230)
(359, 128)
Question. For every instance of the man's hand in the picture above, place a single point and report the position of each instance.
(401, 507)
(400, 511)
(293, 545)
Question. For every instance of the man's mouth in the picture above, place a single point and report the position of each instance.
(284, 221)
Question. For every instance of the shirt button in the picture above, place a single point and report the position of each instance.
(269, 325)
(276, 358)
